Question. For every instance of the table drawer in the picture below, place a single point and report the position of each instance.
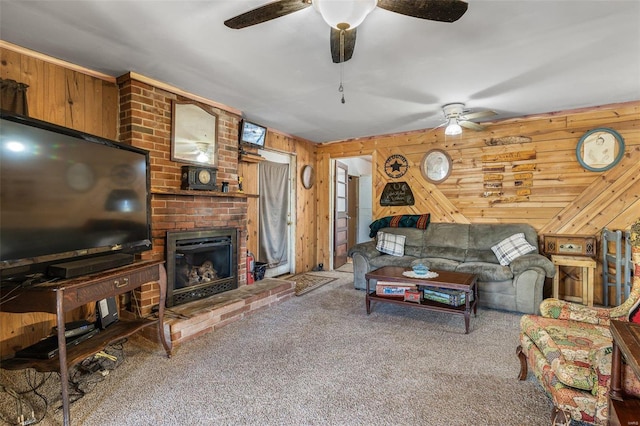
(116, 284)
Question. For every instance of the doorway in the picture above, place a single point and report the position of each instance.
(276, 213)
(359, 202)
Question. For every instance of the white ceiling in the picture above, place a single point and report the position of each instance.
(515, 57)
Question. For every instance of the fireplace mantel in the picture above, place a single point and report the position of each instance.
(165, 191)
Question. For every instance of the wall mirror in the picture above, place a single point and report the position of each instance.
(194, 134)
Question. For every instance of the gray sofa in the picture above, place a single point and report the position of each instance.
(467, 248)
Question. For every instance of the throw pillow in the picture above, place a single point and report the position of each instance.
(634, 314)
(512, 248)
(392, 244)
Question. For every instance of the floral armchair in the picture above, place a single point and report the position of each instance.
(568, 347)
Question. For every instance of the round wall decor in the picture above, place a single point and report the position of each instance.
(436, 166)
(308, 176)
(396, 166)
(600, 149)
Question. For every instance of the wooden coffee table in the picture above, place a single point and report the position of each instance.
(467, 283)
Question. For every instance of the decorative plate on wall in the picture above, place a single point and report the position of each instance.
(600, 149)
(436, 166)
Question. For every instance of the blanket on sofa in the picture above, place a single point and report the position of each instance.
(419, 221)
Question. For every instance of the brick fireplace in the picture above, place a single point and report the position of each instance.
(145, 122)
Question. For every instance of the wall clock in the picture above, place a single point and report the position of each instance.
(436, 166)
(600, 149)
(396, 166)
(195, 177)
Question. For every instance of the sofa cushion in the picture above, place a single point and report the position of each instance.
(437, 263)
(446, 241)
(392, 244)
(511, 248)
(486, 271)
(483, 236)
(413, 242)
(388, 260)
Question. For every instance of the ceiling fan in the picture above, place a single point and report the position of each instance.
(457, 117)
(345, 15)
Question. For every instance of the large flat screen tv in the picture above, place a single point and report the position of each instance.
(67, 195)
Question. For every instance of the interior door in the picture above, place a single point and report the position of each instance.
(352, 209)
(341, 215)
(275, 240)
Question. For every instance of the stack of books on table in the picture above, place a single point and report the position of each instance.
(393, 289)
(446, 296)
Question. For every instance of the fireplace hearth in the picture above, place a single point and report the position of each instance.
(200, 263)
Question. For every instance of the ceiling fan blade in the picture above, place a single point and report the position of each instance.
(349, 44)
(471, 125)
(266, 13)
(434, 10)
(476, 115)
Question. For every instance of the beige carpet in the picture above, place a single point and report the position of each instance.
(309, 281)
(319, 360)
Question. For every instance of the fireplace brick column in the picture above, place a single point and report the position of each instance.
(145, 122)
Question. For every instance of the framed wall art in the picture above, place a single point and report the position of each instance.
(194, 134)
(600, 149)
(436, 166)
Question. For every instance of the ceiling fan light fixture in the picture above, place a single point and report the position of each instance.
(344, 14)
(453, 128)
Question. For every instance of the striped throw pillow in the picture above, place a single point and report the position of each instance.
(512, 248)
(392, 244)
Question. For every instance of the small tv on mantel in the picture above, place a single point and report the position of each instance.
(252, 133)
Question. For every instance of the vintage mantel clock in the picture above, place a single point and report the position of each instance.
(197, 177)
(396, 166)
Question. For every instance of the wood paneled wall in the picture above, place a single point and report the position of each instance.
(564, 197)
(62, 95)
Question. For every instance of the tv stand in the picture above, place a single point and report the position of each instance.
(63, 296)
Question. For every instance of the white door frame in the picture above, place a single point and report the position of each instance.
(290, 159)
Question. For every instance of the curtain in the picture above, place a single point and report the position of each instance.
(13, 97)
(274, 206)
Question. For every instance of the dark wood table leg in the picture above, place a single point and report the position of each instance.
(467, 313)
(367, 300)
(475, 299)
(62, 357)
(616, 373)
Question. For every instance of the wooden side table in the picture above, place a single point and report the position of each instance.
(624, 410)
(588, 266)
(60, 297)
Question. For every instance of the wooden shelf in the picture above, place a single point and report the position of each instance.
(194, 193)
(250, 158)
(76, 354)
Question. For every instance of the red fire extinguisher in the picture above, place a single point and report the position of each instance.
(250, 265)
